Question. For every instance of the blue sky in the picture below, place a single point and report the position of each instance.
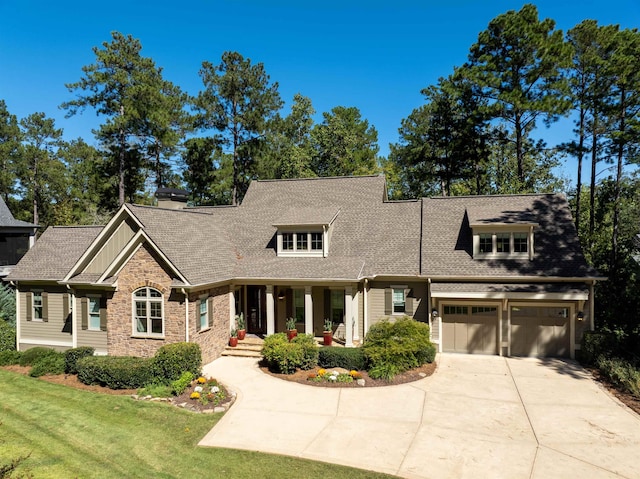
(376, 56)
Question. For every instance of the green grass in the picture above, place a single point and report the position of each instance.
(73, 433)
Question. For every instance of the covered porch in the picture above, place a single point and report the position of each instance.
(266, 308)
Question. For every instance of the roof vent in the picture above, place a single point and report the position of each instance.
(172, 198)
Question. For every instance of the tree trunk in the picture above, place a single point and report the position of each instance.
(579, 179)
(592, 193)
(616, 201)
(121, 162)
(519, 153)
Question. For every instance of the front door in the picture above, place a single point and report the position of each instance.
(257, 310)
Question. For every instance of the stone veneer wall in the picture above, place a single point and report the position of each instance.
(143, 269)
(212, 340)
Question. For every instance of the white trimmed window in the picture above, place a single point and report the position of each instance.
(38, 306)
(148, 317)
(500, 244)
(204, 313)
(398, 301)
(93, 316)
(337, 306)
(301, 243)
(298, 305)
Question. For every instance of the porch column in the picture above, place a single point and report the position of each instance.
(348, 316)
(308, 311)
(271, 324)
(356, 315)
(232, 307)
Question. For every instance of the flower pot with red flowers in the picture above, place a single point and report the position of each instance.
(327, 334)
(233, 340)
(292, 332)
(241, 325)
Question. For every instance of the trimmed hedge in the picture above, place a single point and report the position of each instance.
(9, 358)
(52, 363)
(171, 360)
(285, 357)
(72, 356)
(30, 356)
(394, 347)
(347, 358)
(116, 372)
(7, 336)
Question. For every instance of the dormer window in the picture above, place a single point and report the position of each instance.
(305, 231)
(300, 243)
(503, 244)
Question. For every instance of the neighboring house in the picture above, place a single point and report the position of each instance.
(494, 274)
(16, 237)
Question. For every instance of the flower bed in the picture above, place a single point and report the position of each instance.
(205, 395)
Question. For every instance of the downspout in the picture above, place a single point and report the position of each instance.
(17, 314)
(186, 315)
(365, 309)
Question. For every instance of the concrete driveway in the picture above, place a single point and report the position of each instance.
(476, 417)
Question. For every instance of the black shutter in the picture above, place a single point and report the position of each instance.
(103, 314)
(388, 302)
(210, 311)
(65, 306)
(84, 308)
(29, 297)
(198, 315)
(45, 306)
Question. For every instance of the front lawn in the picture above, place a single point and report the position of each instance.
(72, 433)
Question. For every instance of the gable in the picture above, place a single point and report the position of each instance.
(112, 247)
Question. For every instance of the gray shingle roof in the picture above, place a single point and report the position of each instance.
(447, 240)
(55, 253)
(566, 288)
(8, 221)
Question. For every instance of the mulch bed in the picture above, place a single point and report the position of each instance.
(627, 399)
(302, 377)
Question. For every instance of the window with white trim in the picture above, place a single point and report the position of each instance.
(516, 244)
(148, 317)
(204, 313)
(298, 305)
(38, 306)
(93, 316)
(398, 301)
(301, 243)
(337, 306)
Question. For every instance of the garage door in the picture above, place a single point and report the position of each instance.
(470, 329)
(539, 332)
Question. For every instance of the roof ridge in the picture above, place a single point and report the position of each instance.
(178, 210)
(273, 180)
(510, 195)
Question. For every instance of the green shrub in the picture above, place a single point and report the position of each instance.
(172, 360)
(285, 357)
(7, 336)
(309, 350)
(52, 363)
(30, 356)
(621, 373)
(71, 357)
(347, 358)
(179, 385)
(595, 344)
(8, 358)
(116, 372)
(394, 347)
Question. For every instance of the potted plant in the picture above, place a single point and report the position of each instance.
(327, 334)
(233, 340)
(292, 332)
(242, 331)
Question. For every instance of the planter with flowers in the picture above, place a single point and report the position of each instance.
(205, 395)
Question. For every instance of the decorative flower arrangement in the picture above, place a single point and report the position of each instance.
(334, 376)
(208, 391)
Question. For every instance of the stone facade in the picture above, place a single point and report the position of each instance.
(212, 340)
(143, 269)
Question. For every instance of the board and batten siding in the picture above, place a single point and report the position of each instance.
(378, 309)
(54, 330)
(111, 249)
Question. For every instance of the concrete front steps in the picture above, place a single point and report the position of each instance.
(249, 347)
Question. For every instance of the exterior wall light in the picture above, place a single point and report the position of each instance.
(580, 316)
(434, 313)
